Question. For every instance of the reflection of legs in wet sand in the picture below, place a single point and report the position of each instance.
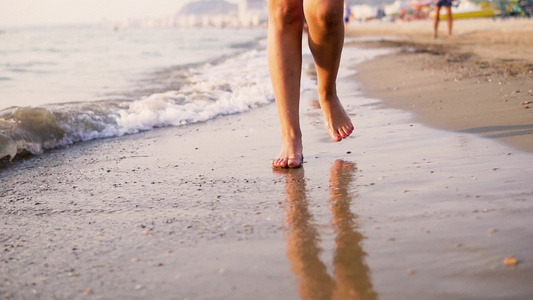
(351, 273)
(326, 36)
(303, 250)
(352, 276)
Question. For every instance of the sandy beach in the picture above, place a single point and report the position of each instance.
(431, 197)
(479, 81)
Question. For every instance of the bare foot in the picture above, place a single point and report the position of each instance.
(338, 124)
(290, 155)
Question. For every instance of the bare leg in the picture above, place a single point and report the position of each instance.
(285, 63)
(326, 38)
(450, 20)
(436, 22)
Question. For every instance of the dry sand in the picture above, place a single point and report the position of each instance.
(397, 211)
(480, 81)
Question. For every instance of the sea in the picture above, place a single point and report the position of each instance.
(64, 85)
(70, 84)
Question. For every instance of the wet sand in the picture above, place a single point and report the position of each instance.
(400, 210)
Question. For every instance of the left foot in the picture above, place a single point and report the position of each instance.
(291, 154)
(338, 124)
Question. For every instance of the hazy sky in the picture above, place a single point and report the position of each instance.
(45, 12)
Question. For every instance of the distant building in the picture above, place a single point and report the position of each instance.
(252, 12)
(220, 13)
(204, 13)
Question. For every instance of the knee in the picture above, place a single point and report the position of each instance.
(286, 12)
(328, 15)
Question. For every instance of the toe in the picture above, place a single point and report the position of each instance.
(349, 129)
(294, 163)
(275, 162)
(279, 162)
(335, 135)
(343, 133)
(347, 132)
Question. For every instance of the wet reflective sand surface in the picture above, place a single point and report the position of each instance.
(351, 278)
(397, 211)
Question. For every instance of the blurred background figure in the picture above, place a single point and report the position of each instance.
(527, 7)
(347, 13)
(447, 4)
(380, 14)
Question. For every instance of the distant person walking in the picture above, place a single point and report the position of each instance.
(347, 13)
(448, 5)
(326, 39)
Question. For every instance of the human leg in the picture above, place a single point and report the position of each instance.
(326, 39)
(285, 64)
(436, 22)
(450, 20)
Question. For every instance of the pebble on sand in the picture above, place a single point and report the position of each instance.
(510, 261)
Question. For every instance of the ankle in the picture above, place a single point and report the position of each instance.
(291, 135)
(325, 94)
(326, 98)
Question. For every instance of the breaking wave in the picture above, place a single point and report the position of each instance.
(204, 92)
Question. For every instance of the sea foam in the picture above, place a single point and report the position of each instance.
(234, 85)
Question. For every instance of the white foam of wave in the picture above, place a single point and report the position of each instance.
(235, 86)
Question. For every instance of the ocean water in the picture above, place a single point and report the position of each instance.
(63, 85)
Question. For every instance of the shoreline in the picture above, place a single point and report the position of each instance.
(454, 84)
(398, 210)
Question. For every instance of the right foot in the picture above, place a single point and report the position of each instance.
(290, 156)
(338, 124)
